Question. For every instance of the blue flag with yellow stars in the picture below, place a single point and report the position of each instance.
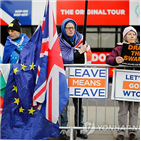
(20, 120)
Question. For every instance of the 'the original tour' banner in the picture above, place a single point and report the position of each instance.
(131, 54)
(88, 82)
(126, 85)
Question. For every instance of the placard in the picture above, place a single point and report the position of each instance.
(131, 54)
(88, 82)
(126, 85)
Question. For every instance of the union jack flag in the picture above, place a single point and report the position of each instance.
(51, 91)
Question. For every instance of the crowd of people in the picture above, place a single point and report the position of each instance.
(73, 52)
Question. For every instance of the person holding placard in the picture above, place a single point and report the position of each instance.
(114, 58)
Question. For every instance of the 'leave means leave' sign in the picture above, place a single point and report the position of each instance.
(88, 82)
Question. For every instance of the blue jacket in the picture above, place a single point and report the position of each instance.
(11, 45)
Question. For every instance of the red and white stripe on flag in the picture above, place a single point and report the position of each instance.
(47, 92)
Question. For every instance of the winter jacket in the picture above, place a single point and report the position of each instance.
(13, 48)
(70, 52)
(111, 58)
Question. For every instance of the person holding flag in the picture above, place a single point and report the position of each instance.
(72, 49)
(14, 43)
(35, 94)
(10, 52)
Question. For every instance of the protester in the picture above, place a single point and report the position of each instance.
(14, 43)
(129, 36)
(72, 49)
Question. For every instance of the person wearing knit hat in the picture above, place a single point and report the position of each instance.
(114, 58)
(14, 43)
(14, 25)
(127, 29)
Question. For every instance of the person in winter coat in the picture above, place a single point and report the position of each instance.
(114, 58)
(72, 49)
(14, 43)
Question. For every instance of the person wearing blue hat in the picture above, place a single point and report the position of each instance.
(72, 50)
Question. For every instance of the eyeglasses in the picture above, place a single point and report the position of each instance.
(70, 28)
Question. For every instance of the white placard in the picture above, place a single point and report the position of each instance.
(126, 85)
(88, 82)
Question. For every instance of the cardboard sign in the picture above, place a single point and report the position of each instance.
(88, 82)
(131, 54)
(126, 85)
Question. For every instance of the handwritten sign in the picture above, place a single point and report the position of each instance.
(126, 85)
(88, 82)
(131, 54)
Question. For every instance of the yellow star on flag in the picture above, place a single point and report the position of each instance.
(15, 88)
(21, 110)
(31, 111)
(23, 67)
(17, 101)
(15, 70)
(32, 66)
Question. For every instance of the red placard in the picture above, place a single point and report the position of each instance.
(100, 12)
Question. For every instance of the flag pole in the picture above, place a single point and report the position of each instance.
(84, 38)
(85, 21)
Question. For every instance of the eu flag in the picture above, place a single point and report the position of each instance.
(20, 120)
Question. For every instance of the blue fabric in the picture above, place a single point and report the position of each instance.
(10, 47)
(52, 72)
(66, 49)
(25, 124)
(66, 21)
(0, 60)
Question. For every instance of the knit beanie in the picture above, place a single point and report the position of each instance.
(127, 29)
(14, 25)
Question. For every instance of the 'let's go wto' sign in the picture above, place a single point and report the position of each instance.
(126, 85)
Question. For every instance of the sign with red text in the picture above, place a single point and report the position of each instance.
(131, 54)
(88, 82)
(126, 85)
